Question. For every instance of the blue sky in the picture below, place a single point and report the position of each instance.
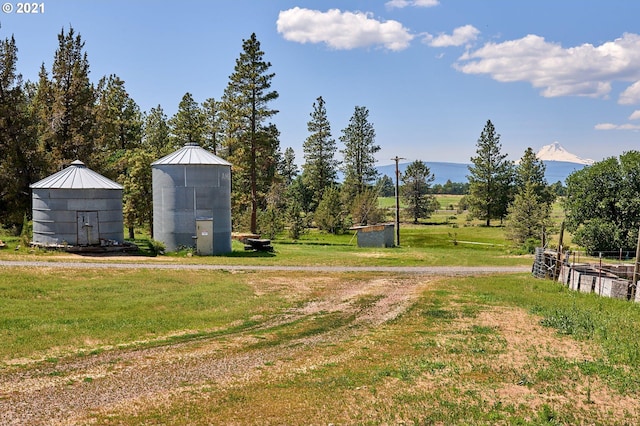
(431, 72)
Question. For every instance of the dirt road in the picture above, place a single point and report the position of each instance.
(422, 270)
(72, 390)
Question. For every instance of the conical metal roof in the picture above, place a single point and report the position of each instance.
(191, 153)
(76, 176)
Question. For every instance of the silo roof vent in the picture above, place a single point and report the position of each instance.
(191, 153)
(76, 176)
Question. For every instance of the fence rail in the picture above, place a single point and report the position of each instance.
(588, 274)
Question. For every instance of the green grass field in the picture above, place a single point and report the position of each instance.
(503, 349)
(453, 358)
(43, 308)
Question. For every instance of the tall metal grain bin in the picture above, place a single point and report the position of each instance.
(77, 207)
(191, 189)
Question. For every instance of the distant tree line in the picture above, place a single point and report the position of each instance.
(64, 116)
(601, 202)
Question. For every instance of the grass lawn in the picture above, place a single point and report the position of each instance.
(505, 349)
(81, 309)
(446, 238)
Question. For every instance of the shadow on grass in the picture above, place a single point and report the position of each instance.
(248, 254)
(315, 243)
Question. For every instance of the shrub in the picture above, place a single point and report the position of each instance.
(156, 247)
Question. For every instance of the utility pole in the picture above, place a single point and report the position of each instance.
(396, 159)
(634, 280)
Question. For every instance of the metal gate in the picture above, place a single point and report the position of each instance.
(88, 232)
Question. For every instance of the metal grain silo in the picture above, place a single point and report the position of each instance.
(77, 207)
(192, 200)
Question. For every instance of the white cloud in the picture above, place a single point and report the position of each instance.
(341, 30)
(405, 3)
(460, 36)
(611, 126)
(635, 115)
(605, 126)
(631, 95)
(584, 70)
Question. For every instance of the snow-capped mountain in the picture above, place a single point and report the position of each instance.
(556, 152)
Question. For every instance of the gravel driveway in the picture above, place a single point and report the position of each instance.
(422, 270)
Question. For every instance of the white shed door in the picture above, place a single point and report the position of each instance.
(88, 233)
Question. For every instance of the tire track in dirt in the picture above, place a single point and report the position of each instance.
(69, 391)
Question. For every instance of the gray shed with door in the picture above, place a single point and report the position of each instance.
(77, 207)
(192, 200)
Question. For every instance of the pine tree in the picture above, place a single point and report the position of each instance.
(528, 216)
(416, 182)
(136, 178)
(251, 143)
(330, 215)
(359, 160)
(386, 185)
(287, 167)
(211, 125)
(119, 125)
(320, 167)
(20, 161)
(531, 170)
(490, 179)
(187, 125)
(156, 133)
(69, 118)
(156, 142)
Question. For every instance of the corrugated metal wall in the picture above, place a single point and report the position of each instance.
(55, 214)
(184, 192)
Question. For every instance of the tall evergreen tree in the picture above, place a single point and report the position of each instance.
(416, 182)
(531, 170)
(20, 161)
(251, 142)
(187, 125)
(138, 196)
(68, 116)
(156, 132)
(320, 167)
(359, 150)
(119, 125)
(528, 216)
(211, 125)
(137, 200)
(491, 178)
(287, 167)
(386, 185)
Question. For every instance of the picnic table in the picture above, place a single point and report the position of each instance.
(258, 244)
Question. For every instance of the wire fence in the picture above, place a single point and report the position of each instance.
(613, 276)
(618, 256)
